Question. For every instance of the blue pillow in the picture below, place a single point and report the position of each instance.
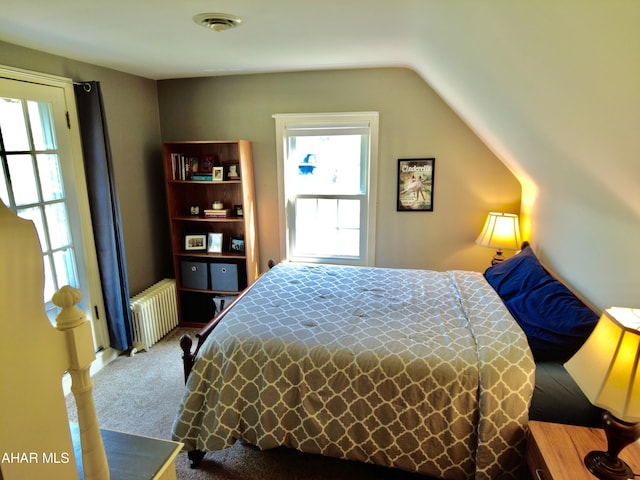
(555, 321)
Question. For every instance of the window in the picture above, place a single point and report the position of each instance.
(42, 180)
(326, 171)
(33, 165)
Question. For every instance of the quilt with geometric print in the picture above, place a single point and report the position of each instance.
(419, 370)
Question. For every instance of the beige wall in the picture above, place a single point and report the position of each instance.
(132, 120)
(414, 123)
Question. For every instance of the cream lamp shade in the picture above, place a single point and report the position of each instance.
(606, 366)
(500, 231)
(606, 370)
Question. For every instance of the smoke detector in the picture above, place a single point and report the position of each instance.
(217, 21)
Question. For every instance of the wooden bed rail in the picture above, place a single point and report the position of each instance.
(186, 342)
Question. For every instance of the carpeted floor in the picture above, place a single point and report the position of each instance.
(140, 395)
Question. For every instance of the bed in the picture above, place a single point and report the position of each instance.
(419, 370)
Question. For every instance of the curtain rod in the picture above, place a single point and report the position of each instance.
(43, 76)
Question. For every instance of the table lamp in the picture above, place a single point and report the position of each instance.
(500, 231)
(606, 368)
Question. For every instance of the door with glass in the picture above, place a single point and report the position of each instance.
(42, 179)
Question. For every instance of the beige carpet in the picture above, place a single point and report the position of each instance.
(140, 395)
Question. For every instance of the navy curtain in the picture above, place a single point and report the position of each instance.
(105, 213)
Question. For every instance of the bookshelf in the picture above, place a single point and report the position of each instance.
(212, 216)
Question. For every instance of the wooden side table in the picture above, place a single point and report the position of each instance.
(556, 451)
(133, 457)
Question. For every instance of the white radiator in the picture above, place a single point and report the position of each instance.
(154, 312)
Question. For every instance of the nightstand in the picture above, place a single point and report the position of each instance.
(133, 457)
(556, 451)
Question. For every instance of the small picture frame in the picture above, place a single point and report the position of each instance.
(415, 184)
(217, 174)
(234, 172)
(236, 245)
(214, 243)
(195, 242)
(206, 163)
(239, 211)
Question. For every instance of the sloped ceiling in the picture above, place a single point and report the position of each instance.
(551, 86)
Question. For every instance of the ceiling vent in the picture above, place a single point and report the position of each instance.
(217, 21)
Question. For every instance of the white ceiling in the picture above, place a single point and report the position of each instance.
(158, 39)
(552, 86)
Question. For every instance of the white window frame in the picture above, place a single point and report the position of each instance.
(284, 123)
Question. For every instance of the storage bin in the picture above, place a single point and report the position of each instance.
(194, 275)
(224, 277)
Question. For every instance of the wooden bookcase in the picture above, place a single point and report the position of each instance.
(197, 176)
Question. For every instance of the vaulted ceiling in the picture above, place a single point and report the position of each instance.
(552, 86)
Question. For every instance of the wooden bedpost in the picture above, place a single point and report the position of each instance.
(72, 321)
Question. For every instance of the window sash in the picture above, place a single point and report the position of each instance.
(289, 126)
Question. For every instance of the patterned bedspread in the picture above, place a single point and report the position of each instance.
(419, 370)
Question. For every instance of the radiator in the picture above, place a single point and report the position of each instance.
(154, 313)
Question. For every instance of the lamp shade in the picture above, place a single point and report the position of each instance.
(501, 230)
(606, 366)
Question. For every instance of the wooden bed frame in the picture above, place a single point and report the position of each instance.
(189, 357)
(36, 434)
(37, 420)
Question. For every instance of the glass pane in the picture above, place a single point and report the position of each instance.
(327, 227)
(305, 232)
(35, 215)
(13, 126)
(349, 214)
(348, 243)
(50, 177)
(4, 193)
(65, 267)
(49, 286)
(41, 125)
(325, 164)
(23, 180)
(57, 225)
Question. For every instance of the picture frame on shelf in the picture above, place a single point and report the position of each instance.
(415, 184)
(214, 243)
(217, 174)
(236, 245)
(195, 242)
(238, 210)
(233, 172)
(206, 163)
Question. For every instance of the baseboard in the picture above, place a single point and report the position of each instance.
(103, 358)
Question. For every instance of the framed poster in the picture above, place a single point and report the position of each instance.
(415, 184)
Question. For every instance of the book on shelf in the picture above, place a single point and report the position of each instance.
(185, 167)
(222, 213)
